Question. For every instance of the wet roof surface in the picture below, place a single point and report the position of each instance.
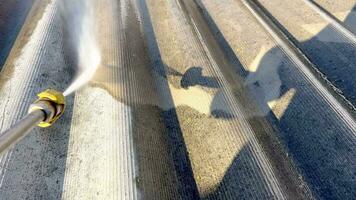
(181, 99)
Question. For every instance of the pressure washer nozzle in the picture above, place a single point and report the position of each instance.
(52, 103)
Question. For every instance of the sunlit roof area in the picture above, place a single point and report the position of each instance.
(177, 99)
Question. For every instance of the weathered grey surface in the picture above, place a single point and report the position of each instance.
(326, 45)
(193, 99)
(344, 11)
(34, 168)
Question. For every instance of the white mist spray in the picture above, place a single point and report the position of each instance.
(79, 18)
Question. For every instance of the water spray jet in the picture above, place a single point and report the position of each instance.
(79, 18)
(43, 112)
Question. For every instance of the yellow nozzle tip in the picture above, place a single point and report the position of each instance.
(57, 98)
(53, 95)
(44, 124)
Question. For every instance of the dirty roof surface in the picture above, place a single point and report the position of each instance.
(192, 99)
